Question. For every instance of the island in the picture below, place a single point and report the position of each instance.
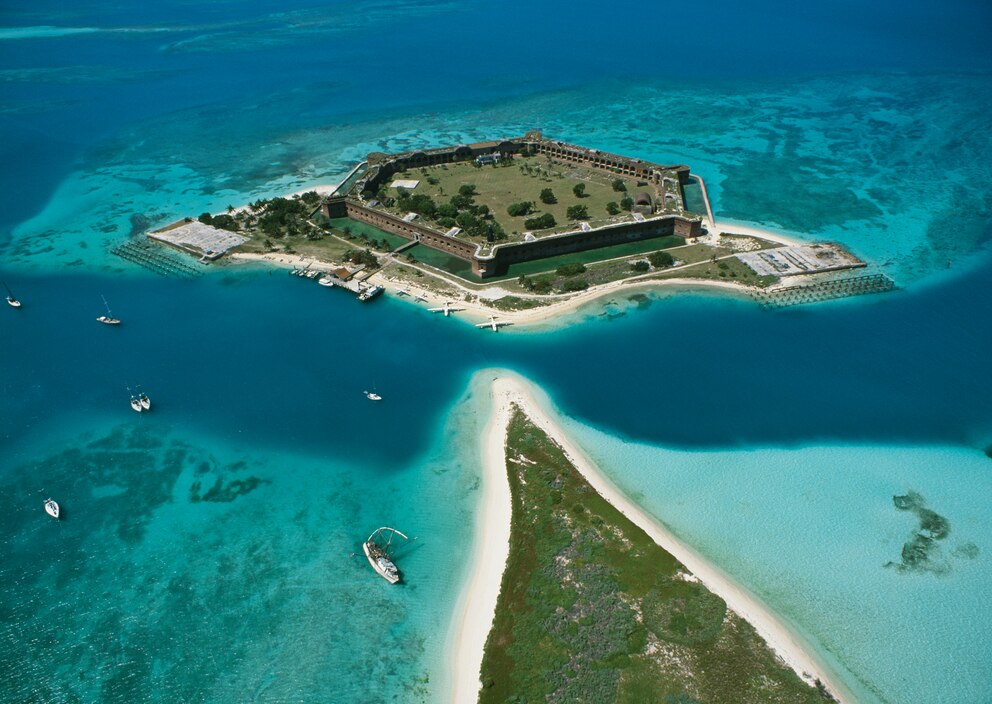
(523, 228)
(577, 595)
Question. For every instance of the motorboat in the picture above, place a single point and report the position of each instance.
(369, 293)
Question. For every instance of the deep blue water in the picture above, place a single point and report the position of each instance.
(867, 124)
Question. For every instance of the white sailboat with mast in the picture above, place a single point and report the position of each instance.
(377, 553)
(109, 318)
(52, 508)
(11, 301)
(136, 404)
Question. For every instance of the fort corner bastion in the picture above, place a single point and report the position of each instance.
(655, 208)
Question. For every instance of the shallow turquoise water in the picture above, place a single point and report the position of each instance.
(871, 131)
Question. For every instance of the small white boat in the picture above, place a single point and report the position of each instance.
(51, 508)
(372, 396)
(146, 403)
(325, 281)
(136, 404)
(378, 556)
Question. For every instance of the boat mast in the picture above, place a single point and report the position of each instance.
(107, 306)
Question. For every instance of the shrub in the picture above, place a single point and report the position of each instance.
(577, 212)
(626, 202)
(466, 221)
(467, 189)
(612, 208)
(571, 269)
(461, 202)
(225, 222)
(639, 265)
(579, 190)
(447, 210)
(548, 196)
(540, 223)
(661, 259)
(518, 209)
(569, 285)
(619, 185)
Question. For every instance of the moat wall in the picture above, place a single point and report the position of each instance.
(383, 166)
(505, 254)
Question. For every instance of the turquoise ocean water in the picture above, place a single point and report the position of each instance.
(206, 551)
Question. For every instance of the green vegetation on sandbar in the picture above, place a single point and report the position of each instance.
(592, 610)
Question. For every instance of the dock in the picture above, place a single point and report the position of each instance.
(357, 285)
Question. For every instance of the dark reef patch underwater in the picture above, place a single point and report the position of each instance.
(923, 551)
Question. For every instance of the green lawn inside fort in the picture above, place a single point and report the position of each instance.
(591, 609)
(577, 193)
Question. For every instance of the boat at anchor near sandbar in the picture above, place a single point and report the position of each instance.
(377, 553)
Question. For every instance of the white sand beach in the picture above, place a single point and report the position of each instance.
(476, 608)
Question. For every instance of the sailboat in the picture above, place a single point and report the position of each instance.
(51, 508)
(372, 396)
(377, 553)
(108, 319)
(11, 301)
(146, 403)
(136, 402)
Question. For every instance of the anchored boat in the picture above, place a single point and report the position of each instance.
(136, 401)
(372, 396)
(51, 508)
(377, 553)
(11, 301)
(146, 403)
(109, 318)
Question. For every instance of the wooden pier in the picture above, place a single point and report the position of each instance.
(824, 291)
(357, 285)
(156, 259)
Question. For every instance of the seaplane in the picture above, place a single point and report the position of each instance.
(402, 292)
(419, 298)
(447, 309)
(494, 324)
(52, 508)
